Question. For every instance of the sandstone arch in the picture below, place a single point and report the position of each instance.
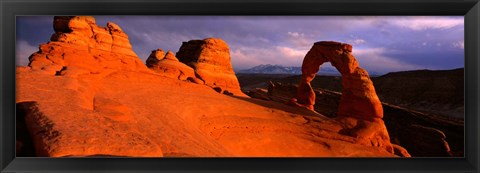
(358, 99)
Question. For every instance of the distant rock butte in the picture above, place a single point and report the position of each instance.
(210, 58)
(358, 99)
(168, 65)
(78, 43)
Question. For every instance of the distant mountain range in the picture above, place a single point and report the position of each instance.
(272, 69)
(279, 69)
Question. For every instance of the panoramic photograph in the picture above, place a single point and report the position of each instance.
(240, 86)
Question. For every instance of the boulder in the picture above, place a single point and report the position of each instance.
(79, 42)
(210, 58)
(155, 57)
(168, 65)
(171, 56)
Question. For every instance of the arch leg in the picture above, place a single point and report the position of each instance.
(311, 65)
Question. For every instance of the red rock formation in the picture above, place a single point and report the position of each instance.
(167, 117)
(155, 57)
(131, 112)
(359, 107)
(78, 43)
(170, 56)
(358, 95)
(168, 65)
(210, 58)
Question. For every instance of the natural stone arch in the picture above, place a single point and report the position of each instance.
(358, 99)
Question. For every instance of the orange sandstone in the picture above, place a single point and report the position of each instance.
(78, 43)
(360, 108)
(359, 98)
(210, 58)
(97, 99)
(168, 65)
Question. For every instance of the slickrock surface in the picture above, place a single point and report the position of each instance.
(123, 114)
(210, 58)
(115, 106)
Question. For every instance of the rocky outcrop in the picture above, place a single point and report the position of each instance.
(366, 132)
(134, 112)
(433, 141)
(78, 43)
(439, 137)
(210, 58)
(155, 57)
(170, 118)
(83, 122)
(398, 119)
(440, 92)
(358, 100)
(168, 65)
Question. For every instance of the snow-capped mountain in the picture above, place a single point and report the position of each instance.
(273, 69)
(278, 69)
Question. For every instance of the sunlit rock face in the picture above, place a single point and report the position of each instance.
(155, 57)
(210, 58)
(168, 65)
(359, 108)
(86, 93)
(359, 98)
(67, 109)
(79, 45)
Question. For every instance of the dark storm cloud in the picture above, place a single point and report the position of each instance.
(381, 44)
(30, 32)
(34, 29)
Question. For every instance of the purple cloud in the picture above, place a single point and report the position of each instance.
(381, 43)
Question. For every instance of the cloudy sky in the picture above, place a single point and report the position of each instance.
(380, 43)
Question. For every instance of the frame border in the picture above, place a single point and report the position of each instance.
(10, 9)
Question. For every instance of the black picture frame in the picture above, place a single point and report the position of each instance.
(468, 8)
